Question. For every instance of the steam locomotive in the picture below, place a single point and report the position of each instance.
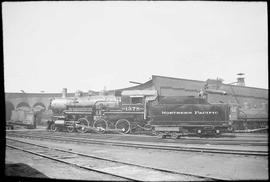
(139, 110)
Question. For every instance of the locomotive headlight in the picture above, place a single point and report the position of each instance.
(217, 131)
(199, 131)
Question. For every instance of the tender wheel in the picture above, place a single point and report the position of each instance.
(53, 127)
(101, 125)
(81, 125)
(123, 125)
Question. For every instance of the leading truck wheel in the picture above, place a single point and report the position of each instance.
(53, 127)
(101, 125)
(123, 125)
(70, 128)
(82, 125)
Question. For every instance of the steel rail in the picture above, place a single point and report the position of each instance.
(225, 140)
(110, 160)
(213, 140)
(232, 140)
(68, 163)
(149, 146)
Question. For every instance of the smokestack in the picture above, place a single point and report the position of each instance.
(64, 93)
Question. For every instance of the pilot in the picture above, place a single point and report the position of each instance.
(49, 123)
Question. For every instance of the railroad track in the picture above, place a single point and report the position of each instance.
(122, 170)
(247, 141)
(84, 140)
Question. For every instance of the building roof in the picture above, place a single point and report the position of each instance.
(139, 92)
(195, 85)
(159, 82)
(144, 86)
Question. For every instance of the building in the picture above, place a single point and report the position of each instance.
(246, 97)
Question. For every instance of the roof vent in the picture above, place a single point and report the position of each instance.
(241, 79)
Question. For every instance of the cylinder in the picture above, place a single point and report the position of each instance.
(59, 122)
(64, 93)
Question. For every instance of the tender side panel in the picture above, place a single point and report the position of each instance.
(188, 114)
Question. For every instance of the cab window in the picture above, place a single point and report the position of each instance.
(136, 100)
(125, 100)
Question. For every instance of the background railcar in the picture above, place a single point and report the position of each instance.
(24, 118)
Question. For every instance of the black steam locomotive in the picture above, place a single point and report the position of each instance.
(137, 110)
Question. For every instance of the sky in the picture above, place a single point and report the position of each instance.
(95, 45)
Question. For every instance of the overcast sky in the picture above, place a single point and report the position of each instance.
(88, 45)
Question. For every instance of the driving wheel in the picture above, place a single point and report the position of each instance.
(101, 125)
(123, 125)
(82, 125)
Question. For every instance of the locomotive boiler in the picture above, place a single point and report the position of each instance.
(139, 110)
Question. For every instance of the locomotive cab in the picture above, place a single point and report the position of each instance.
(138, 101)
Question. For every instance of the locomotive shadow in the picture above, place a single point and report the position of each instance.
(213, 136)
(22, 170)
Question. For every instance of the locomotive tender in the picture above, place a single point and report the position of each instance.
(190, 115)
(139, 110)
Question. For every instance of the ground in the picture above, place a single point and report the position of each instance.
(222, 166)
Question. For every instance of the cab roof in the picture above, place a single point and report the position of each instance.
(139, 93)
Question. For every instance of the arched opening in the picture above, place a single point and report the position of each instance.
(9, 108)
(23, 106)
(39, 109)
(39, 106)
